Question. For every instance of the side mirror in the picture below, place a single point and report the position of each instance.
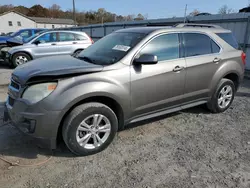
(146, 59)
(37, 42)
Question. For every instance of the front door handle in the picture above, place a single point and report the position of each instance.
(216, 60)
(178, 69)
(53, 44)
(74, 42)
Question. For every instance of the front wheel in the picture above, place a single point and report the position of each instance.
(77, 52)
(89, 128)
(19, 59)
(223, 96)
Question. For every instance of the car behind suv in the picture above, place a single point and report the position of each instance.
(128, 76)
(16, 38)
(49, 43)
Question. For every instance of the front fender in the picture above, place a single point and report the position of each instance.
(13, 51)
(72, 91)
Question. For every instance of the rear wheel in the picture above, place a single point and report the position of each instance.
(89, 128)
(19, 59)
(223, 96)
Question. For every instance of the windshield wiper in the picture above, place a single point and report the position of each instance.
(84, 58)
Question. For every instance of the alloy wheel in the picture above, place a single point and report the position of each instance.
(93, 131)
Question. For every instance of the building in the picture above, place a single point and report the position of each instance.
(13, 21)
(246, 9)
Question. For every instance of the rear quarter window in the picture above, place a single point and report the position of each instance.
(230, 39)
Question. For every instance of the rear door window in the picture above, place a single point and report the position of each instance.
(64, 37)
(197, 44)
(215, 47)
(230, 39)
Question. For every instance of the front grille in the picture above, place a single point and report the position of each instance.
(14, 85)
(11, 101)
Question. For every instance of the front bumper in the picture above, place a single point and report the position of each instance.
(34, 121)
(5, 54)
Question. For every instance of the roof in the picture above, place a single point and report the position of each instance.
(16, 13)
(43, 20)
(52, 20)
(246, 9)
(147, 30)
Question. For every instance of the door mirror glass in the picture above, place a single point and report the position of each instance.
(146, 59)
(37, 42)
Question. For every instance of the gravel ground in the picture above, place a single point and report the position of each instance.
(5, 73)
(192, 148)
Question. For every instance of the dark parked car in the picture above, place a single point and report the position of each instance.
(128, 76)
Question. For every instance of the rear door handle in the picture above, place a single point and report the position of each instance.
(178, 69)
(53, 44)
(74, 42)
(216, 60)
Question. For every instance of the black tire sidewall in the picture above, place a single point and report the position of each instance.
(77, 52)
(215, 99)
(70, 134)
(19, 54)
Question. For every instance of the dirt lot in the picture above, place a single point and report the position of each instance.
(192, 148)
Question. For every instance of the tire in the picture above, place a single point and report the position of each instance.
(73, 137)
(1, 47)
(20, 58)
(77, 52)
(216, 106)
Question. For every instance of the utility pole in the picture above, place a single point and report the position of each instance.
(185, 15)
(74, 12)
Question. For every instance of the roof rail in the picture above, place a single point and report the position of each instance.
(196, 25)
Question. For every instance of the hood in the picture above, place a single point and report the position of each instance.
(14, 42)
(53, 66)
(4, 38)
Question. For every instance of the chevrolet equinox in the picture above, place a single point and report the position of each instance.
(128, 76)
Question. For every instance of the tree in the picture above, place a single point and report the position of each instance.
(194, 13)
(38, 11)
(225, 10)
(129, 17)
(139, 17)
(82, 17)
(55, 11)
(22, 10)
(6, 8)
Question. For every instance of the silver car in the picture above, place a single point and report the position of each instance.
(49, 43)
(130, 75)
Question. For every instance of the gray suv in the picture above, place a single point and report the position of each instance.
(128, 76)
(49, 43)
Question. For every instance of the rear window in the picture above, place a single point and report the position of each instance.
(230, 39)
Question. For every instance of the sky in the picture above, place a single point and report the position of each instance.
(153, 8)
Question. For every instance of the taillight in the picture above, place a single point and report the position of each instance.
(92, 42)
(243, 57)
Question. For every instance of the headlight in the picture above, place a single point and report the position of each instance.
(38, 92)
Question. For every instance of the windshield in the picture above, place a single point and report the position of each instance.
(111, 48)
(32, 37)
(14, 34)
